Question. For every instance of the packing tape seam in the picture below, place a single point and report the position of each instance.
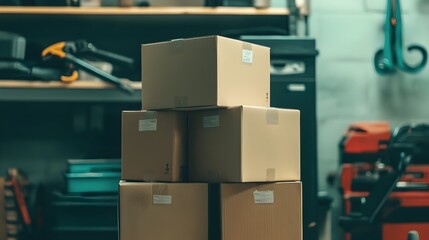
(148, 176)
(159, 189)
(180, 101)
(247, 46)
(270, 174)
(149, 115)
(272, 116)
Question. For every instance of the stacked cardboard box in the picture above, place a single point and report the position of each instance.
(207, 158)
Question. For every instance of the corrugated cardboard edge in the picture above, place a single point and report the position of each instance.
(122, 142)
(302, 211)
(180, 39)
(217, 70)
(147, 114)
(182, 152)
(191, 109)
(268, 93)
(241, 142)
(141, 78)
(2, 211)
(231, 39)
(118, 217)
(177, 46)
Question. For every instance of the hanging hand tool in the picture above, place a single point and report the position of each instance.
(389, 58)
(71, 50)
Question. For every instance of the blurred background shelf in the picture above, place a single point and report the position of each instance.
(79, 91)
(144, 11)
(123, 30)
(46, 123)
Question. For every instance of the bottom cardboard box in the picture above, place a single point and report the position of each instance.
(256, 211)
(197, 211)
(163, 211)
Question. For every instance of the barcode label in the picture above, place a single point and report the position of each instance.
(247, 56)
(263, 197)
(149, 124)
(211, 121)
(162, 199)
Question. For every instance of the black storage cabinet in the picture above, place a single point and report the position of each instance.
(293, 85)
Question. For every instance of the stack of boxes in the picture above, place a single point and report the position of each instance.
(207, 158)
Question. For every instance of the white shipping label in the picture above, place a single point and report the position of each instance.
(247, 56)
(162, 199)
(263, 197)
(147, 124)
(211, 121)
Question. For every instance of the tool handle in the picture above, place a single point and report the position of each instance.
(114, 58)
(83, 47)
(123, 85)
(21, 201)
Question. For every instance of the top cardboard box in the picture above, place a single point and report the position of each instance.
(205, 72)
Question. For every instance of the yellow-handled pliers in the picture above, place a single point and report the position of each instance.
(66, 51)
(57, 50)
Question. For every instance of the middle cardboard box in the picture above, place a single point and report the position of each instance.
(236, 144)
(244, 144)
(154, 146)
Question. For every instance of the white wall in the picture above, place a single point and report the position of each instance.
(348, 33)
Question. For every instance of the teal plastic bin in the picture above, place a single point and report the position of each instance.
(106, 182)
(93, 165)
